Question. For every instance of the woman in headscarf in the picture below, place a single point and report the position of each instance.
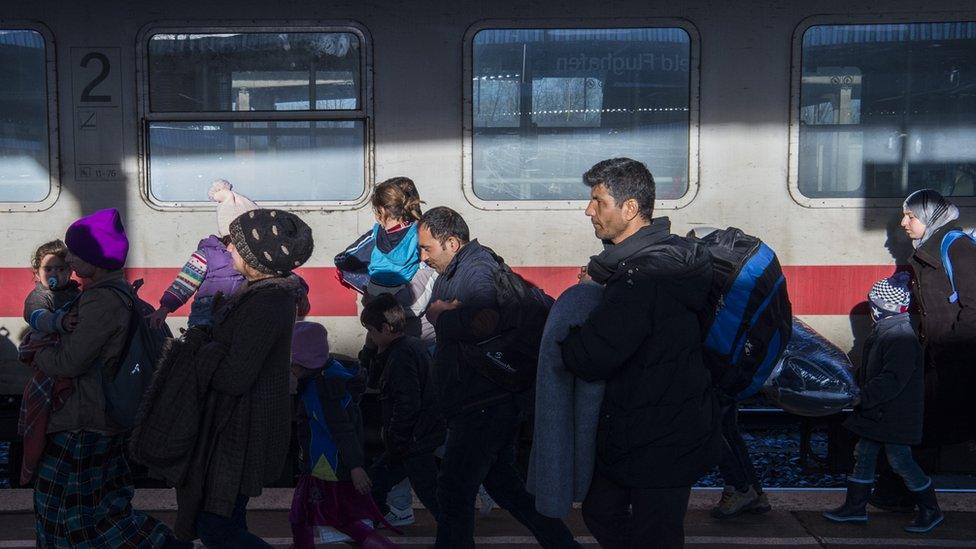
(948, 320)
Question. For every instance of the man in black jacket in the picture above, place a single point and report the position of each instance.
(482, 418)
(659, 421)
(410, 431)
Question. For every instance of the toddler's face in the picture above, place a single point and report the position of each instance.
(53, 273)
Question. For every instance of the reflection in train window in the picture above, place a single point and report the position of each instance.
(887, 109)
(304, 142)
(549, 103)
(24, 141)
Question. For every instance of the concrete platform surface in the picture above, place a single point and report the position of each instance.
(794, 522)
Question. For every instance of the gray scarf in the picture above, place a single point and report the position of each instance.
(932, 209)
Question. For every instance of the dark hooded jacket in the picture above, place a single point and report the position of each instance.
(659, 418)
(890, 379)
(948, 335)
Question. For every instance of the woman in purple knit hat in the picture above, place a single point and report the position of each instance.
(83, 493)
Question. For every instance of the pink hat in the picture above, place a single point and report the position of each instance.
(99, 239)
(310, 345)
(230, 204)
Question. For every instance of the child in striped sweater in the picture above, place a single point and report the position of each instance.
(210, 269)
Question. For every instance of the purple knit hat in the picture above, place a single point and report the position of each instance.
(310, 345)
(99, 239)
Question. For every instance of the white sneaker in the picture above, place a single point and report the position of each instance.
(400, 517)
(487, 504)
(327, 534)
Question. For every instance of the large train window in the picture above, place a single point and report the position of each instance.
(885, 109)
(546, 104)
(282, 115)
(25, 118)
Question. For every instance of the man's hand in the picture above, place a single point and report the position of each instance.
(435, 309)
(584, 276)
(157, 319)
(360, 480)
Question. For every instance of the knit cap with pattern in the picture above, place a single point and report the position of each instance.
(272, 241)
(890, 296)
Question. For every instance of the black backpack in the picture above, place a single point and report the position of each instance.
(125, 383)
(510, 358)
(749, 319)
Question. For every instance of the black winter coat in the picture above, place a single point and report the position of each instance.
(407, 398)
(948, 336)
(659, 422)
(470, 279)
(891, 383)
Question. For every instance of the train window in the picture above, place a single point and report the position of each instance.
(547, 104)
(885, 109)
(25, 158)
(279, 114)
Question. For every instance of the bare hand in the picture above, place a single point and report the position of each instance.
(70, 321)
(435, 309)
(584, 276)
(157, 319)
(360, 480)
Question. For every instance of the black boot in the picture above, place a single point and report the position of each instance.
(853, 509)
(929, 515)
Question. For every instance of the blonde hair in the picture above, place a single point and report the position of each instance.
(398, 199)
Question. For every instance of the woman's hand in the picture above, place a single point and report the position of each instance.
(360, 480)
(70, 321)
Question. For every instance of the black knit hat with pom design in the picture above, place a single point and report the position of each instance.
(272, 241)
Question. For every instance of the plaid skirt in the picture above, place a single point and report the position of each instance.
(83, 496)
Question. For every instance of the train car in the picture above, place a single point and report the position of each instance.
(805, 124)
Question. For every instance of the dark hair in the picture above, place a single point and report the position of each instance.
(624, 179)
(443, 223)
(398, 198)
(384, 309)
(54, 247)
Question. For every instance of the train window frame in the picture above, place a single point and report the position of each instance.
(796, 73)
(53, 130)
(467, 90)
(364, 113)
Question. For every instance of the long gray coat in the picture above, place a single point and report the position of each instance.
(567, 411)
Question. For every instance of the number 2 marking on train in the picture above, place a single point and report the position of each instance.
(86, 95)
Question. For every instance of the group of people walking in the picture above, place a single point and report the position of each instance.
(215, 422)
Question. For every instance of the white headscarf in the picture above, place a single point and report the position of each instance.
(932, 209)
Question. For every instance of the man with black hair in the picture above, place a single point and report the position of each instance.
(658, 430)
(482, 418)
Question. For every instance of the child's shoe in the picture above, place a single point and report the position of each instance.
(400, 517)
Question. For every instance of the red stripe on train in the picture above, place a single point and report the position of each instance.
(814, 289)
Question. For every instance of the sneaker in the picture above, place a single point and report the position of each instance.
(734, 502)
(761, 505)
(400, 517)
(487, 504)
(327, 534)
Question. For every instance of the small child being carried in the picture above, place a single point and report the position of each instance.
(333, 488)
(210, 269)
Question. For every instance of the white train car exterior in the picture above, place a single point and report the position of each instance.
(805, 124)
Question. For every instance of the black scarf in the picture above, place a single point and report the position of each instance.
(603, 266)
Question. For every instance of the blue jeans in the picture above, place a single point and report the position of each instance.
(899, 457)
(736, 465)
(480, 449)
(217, 532)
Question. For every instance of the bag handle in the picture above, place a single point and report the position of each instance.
(947, 241)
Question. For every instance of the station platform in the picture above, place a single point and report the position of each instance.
(795, 521)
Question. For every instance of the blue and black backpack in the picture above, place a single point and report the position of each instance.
(947, 241)
(749, 319)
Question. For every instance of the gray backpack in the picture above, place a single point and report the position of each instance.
(125, 383)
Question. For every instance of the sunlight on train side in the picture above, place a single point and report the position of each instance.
(257, 107)
(24, 138)
(887, 109)
(549, 103)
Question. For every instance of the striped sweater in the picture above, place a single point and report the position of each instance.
(187, 282)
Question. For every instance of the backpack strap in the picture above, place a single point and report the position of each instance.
(947, 241)
(133, 320)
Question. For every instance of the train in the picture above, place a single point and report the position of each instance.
(805, 124)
